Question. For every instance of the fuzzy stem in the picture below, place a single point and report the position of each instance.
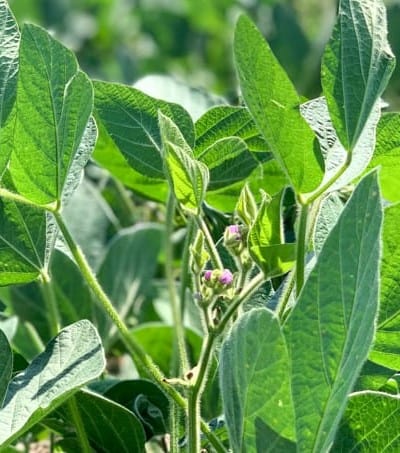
(212, 249)
(52, 314)
(301, 246)
(79, 426)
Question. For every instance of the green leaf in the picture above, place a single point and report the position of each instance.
(332, 326)
(22, 242)
(169, 89)
(108, 425)
(189, 177)
(253, 354)
(6, 365)
(228, 161)
(386, 351)
(9, 44)
(131, 119)
(387, 155)
(54, 104)
(356, 67)
(329, 212)
(274, 105)
(111, 158)
(317, 115)
(70, 360)
(127, 271)
(146, 400)
(266, 239)
(370, 424)
(227, 121)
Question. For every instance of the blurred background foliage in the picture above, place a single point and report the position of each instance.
(123, 40)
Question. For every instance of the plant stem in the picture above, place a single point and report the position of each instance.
(284, 299)
(79, 426)
(134, 349)
(196, 391)
(169, 273)
(212, 249)
(52, 314)
(174, 427)
(301, 245)
(7, 194)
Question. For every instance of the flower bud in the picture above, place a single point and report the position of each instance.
(226, 278)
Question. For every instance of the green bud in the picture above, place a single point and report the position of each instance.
(198, 253)
(246, 207)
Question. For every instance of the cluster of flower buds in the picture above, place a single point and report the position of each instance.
(217, 282)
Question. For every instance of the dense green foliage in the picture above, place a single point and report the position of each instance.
(182, 274)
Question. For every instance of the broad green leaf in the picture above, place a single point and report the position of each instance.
(54, 104)
(370, 424)
(146, 400)
(227, 121)
(255, 383)
(111, 158)
(22, 242)
(317, 115)
(70, 360)
(131, 119)
(331, 328)
(386, 351)
(372, 377)
(108, 425)
(266, 239)
(274, 105)
(188, 177)
(9, 43)
(9, 326)
(194, 100)
(228, 161)
(387, 155)
(356, 66)
(127, 270)
(6, 365)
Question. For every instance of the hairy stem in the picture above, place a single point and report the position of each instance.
(79, 426)
(212, 249)
(53, 315)
(301, 247)
(173, 296)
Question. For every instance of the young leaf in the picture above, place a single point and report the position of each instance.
(131, 119)
(253, 354)
(9, 43)
(328, 214)
(70, 360)
(356, 66)
(386, 350)
(387, 155)
(274, 105)
(6, 365)
(54, 104)
(370, 423)
(266, 239)
(331, 328)
(188, 177)
(22, 242)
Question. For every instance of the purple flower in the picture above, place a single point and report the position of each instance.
(226, 277)
(234, 229)
(207, 275)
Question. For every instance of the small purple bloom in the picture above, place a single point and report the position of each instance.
(226, 277)
(207, 275)
(234, 229)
